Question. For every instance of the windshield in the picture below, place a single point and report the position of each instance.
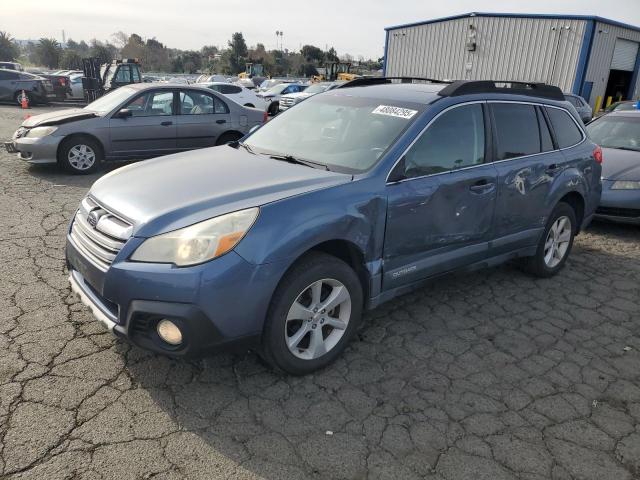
(616, 132)
(317, 88)
(626, 106)
(110, 101)
(277, 90)
(345, 133)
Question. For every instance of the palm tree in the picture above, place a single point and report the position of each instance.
(49, 52)
(8, 47)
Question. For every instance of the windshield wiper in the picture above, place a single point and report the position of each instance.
(246, 147)
(299, 161)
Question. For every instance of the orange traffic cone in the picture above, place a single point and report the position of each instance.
(24, 102)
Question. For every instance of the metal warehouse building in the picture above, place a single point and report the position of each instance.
(588, 55)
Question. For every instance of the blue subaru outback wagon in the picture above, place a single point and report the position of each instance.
(355, 196)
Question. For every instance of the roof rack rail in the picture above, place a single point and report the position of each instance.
(531, 89)
(367, 81)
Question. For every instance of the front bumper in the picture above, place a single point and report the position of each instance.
(217, 305)
(38, 150)
(621, 206)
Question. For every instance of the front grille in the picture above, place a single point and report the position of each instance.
(619, 212)
(98, 234)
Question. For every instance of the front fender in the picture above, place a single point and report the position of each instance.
(286, 229)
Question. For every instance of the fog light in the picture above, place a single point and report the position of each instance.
(169, 332)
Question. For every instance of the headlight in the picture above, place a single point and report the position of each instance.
(625, 185)
(197, 243)
(39, 132)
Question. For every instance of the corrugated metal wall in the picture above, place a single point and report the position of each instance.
(526, 49)
(604, 41)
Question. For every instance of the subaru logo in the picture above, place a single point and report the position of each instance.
(92, 219)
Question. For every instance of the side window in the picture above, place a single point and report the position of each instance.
(565, 128)
(135, 74)
(122, 76)
(8, 76)
(216, 88)
(454, 140)
(517, 130)
(200, 103)
(229, 89)
(545, 134)
(151, 104)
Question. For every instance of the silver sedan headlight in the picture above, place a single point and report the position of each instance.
(625, 185)
(39, 132)
(197, 243)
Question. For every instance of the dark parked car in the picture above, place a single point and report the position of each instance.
(618, 133)
(353, 197)
(36, 88)
(584, 109)
(136, 121)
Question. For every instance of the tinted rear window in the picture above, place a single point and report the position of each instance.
(517, 130)
(565, 128)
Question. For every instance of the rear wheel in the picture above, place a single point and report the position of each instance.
(80, 155)
(228, 137)
(555, 243)
(314, 313)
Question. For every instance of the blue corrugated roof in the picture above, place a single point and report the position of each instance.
(518, 15)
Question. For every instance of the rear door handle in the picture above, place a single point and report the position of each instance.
(166, 123)
(481, 187)
(220, 122)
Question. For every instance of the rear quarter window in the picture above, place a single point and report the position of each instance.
(517, 130)
(565, 128)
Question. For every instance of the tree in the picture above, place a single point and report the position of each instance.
(331, 55)
(238, 52)
(71, 60)
(48, 52)
(8, 48)
(104, 52)
(191, 61)
(312, 54)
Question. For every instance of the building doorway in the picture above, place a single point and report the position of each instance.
(618, 85)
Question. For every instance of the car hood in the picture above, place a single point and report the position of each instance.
(297, 95)
(620, 164)
(58, 117)
(171, 192)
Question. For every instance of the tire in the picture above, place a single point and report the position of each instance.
(273, 109)
(18, 98)
(80, 155)
(315, 274)
(250, 105)
(555, 243)
(228, 137)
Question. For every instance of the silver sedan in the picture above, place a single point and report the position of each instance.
(133, 122)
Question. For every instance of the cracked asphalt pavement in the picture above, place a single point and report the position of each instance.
(490, 376)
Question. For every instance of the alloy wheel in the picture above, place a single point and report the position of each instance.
(557, 242)
(317, 319)
(81, 157)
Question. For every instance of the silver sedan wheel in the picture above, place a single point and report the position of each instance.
(318, 319)
(557, 243)
(81, 157)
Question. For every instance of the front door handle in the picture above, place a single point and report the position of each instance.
(220, 122)
(481, 187)
(166, 123)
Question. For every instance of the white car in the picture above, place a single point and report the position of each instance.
(238, 94)
(75, 82)
(291, 99)
(272, 96)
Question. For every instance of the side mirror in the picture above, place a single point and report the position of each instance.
(123, 113)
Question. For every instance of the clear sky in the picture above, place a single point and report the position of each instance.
(351, 26)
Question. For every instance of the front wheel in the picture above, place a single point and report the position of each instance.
(273, 109)
(18, 98)
(314, 313)
(80, 155)
(555, 243)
